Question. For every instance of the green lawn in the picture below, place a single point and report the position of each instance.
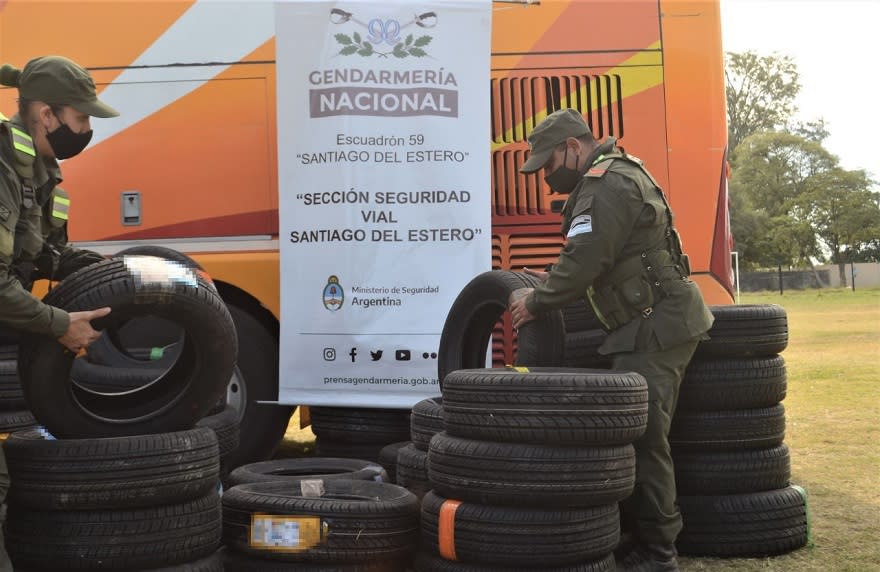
(832, 416)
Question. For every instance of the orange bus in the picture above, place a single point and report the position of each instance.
(192, 164)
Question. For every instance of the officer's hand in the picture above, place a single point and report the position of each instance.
(517, 306)
(540, 275)
(80, 334)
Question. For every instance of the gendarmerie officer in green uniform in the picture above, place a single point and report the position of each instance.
(623, 254)
(57, 98)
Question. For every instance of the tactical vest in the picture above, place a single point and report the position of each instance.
(40, 212)
(637, 283)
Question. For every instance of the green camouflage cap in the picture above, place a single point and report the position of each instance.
(59, 81)
(555, 129)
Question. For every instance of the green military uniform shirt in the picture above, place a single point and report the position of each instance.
(614, 216)
(32, 232)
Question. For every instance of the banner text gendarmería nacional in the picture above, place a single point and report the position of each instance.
(383, 168)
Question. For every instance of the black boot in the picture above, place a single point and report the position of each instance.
(649, 558)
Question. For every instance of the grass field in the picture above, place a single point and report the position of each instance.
(832, 415)
(833, 430)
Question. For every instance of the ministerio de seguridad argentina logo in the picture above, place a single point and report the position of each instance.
(370, 75)
(334, 295)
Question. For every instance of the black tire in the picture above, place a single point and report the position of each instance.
(348, 425)
(160, 252)
(139, 342)
(225, 425)
(236, 562)
(16, 421)
(472, 318)
(136, 343)
(255, 379)
(9, 345)
(174, 402)
(731, 472)
(111, 473)
(426, 421)
(521, 537)
(212, 563)
(133, 539)
(11, 396)
(112, 378)
(757, 524)
(512, 474)
(346, 510)
(364, 451)
(546, 405)
(425, 562)
(412, 470)
(737, 383)
(388, 458)
(323, 468)
(582, 350)
(579, 316)
(746, 330)
(725, 430)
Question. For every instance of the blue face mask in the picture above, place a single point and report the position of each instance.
(563, 180)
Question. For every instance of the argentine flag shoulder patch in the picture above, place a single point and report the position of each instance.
(581, 224)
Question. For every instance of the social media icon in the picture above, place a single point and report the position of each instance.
(402, 355)
(329, 354)
(376, 355)
(353, 353)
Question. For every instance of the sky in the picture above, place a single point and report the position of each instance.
(833, 43)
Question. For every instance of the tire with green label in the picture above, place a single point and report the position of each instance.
(475, 312)
(747, 525)
(133, 287)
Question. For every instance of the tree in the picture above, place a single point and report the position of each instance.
(761, 91)
(770, 201)
(845, 214)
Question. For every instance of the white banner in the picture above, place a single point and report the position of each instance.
(383, 167)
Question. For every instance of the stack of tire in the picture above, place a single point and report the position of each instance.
(732, 467)
(357, 433)
(412, 459)
(317, 514)
(122, 480)
(145, 502)
(530, 468)
(14, 414)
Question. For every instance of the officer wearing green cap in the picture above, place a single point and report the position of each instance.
(57, 98)
(624, 255)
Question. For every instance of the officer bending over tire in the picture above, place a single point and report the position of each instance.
(624, 254)
(57, 98)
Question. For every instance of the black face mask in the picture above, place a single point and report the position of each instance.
(564, 179)
(65, 143)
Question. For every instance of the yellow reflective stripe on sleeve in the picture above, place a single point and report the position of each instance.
(60, 207)
(23, 142)
(3, 117)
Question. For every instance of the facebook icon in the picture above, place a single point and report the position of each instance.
(353, 353)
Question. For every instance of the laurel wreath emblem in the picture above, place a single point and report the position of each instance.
(355, 44)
